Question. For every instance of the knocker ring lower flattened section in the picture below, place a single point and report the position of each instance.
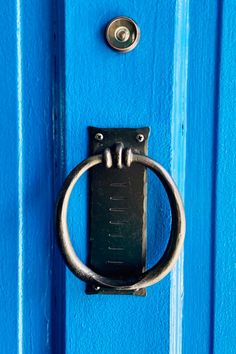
(177, 234)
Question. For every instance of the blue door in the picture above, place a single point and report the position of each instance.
(58, 77)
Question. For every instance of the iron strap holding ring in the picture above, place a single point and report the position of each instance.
(174, 246)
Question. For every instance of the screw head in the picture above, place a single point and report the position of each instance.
(99, 137)
(140, 138)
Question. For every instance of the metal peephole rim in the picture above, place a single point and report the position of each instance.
(177, 234)
(122, 34)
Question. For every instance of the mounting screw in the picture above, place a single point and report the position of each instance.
(97, 288)
(99, 136)
(140, 138)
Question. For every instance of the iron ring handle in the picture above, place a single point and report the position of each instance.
(174, 246)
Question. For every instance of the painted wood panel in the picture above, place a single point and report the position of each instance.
(57, 77)
(224, 338)
(105, 88)
(199, 249)
(26, 176)
(209, 272)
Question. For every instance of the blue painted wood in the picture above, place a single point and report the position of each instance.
(209, 287)
(178, 159)
(199, 254)
(58, 77)
(224, 287)
(105, 88)
(9, 182)
(26, 178)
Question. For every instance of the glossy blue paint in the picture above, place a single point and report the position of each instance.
(26, 177)
(58, 76)
(105, 88)
(209, 301)
(178, 158)
(224, 339)
(199, 249)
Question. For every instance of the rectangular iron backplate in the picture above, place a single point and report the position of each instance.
(117, 243)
